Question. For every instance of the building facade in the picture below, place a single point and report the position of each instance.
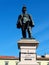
(11, 60)
(8, 60)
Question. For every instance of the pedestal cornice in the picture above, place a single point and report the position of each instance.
(27, 42)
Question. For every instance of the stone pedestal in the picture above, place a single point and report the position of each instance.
(27, 53)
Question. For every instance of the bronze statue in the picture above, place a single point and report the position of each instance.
(25, 23)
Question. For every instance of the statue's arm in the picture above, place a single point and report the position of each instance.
(19, 22)
(19, 17)
(31, 21)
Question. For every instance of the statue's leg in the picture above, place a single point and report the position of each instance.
(24, 33)
(29, 32)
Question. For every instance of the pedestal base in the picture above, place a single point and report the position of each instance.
(27, 63)
(28, 51)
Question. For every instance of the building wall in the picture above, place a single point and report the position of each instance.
(14, 62)
(43, 62)
(10, 62)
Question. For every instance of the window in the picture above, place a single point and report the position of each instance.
(6, 63)
(39, 63)
(48, 63)
(17, 63)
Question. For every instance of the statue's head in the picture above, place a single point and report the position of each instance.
(24, 9)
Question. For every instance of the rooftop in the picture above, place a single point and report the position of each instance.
(8, 57)
(45, 57)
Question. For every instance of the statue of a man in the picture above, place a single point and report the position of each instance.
(25, 23)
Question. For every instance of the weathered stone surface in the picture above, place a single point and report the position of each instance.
(27, 51)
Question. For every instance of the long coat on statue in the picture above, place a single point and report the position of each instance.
(25, 21)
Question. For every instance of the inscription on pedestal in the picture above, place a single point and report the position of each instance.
(28, 56)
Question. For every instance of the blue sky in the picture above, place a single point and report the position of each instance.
(9, 34)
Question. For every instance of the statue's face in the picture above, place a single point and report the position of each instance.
(24, 10)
